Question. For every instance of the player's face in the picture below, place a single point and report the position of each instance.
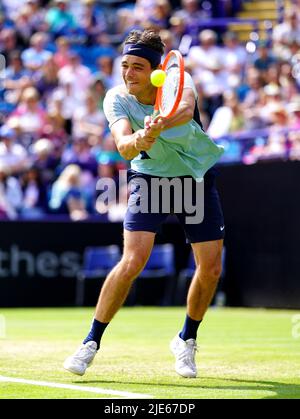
(136, 74)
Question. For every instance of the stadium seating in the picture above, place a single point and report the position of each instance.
(155, 284)
(97, 262)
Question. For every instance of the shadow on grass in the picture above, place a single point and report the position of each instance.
(281, 390)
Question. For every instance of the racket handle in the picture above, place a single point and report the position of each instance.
(155, 114)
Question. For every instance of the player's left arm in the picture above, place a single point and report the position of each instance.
(184, 114)
(185, 111)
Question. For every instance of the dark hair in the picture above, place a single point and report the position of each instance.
(149, 38)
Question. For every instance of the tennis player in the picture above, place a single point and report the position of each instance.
(165, 148)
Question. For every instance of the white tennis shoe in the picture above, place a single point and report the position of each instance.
(184, 352)
(82, 358)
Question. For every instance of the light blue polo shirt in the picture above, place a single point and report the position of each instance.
(180, 151)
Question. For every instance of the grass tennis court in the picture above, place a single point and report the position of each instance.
(243, 353)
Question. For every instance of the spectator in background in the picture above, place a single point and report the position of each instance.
(277, 141)
(35, 56)
(109, 159)
(258, 104)
(250, 91)
(272, 74)
(34, 203)
(234, 60)
(105, 66)
(168, 39)
(3, 22)
(62, 55)
(46, 79)
(45, 158)
(13, 155)
(294, 110)
(142, 11)
(251, 96)
(286, 30)
(67, 196)
(192, 15)
(294, 48)
(115, 205)
(62, 102)
(77, 75)
(178, 30)
(110, 162)
(126, 20)
(60, 21)
(89, 120)
(227, 119)
(12, 7)
(264, 59)
(54, 129)
(117, 75)
(16, 78)
(161, 13)
(277, 145)
(79, 153)
(36, 16)
(271, 101)
(23, 26)
(8, 42)
(213, 83)
(286, 34)
(287, 82)
(202, 56)
(10, 194)
(92, 22)
(234, 54)
(205, 61)
(30, 114)
(99, 90)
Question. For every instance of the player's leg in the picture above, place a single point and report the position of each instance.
(206, 239)
(208, 258)
(137, 249)
(207, 242)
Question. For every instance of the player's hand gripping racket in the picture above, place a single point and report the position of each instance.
(169, 95)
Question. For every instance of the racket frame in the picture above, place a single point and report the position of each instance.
(157, 106)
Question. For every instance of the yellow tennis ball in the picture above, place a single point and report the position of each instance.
(158, 78)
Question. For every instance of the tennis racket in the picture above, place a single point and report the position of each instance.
(169, 95)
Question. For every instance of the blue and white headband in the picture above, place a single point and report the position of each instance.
(141, 50)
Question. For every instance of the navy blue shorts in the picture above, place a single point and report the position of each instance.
(211, 228)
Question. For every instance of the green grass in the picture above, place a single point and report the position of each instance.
(243, 353)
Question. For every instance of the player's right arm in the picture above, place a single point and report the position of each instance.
(130, 144)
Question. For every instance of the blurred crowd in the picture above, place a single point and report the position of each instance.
(58, 59)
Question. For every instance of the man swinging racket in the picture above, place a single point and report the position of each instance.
(168, 146)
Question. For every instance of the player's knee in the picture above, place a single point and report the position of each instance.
(214, 273)
(210, 272)
(132, 266)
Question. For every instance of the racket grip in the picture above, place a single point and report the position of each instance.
(155, 114)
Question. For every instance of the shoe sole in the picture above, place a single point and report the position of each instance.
(69, 369)
(73, 371)
(186, 376)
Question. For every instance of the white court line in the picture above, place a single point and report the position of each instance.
(76, 388)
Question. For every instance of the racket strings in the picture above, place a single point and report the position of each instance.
(171, 85)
